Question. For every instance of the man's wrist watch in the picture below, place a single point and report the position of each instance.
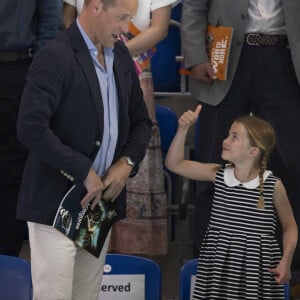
(129, 160)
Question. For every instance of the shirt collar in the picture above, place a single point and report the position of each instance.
(108, 52)
(91, 46)
(230, 180)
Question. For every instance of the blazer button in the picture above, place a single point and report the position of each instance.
(243, 16)
(98, 143)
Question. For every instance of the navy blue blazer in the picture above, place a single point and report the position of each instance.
(61, 122)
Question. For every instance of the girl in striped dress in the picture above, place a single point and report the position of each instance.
(240, 257)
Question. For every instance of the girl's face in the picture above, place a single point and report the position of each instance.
(236, 146)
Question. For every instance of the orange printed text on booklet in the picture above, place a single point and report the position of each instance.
(141, 61)
(218, 48)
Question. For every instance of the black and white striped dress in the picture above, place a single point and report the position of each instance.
(239, 246)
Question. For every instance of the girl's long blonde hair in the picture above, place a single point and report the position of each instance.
(261, 135)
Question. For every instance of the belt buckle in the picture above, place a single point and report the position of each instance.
(249, 35)
(30, 52)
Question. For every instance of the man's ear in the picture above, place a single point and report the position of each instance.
(99, 5)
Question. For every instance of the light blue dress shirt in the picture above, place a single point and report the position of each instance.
(110, 101)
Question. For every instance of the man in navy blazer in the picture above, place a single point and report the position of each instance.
(84, 121)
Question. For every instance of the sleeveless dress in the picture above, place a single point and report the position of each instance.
(239, 246)
(144, 230)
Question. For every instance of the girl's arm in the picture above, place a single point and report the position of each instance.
(156, 32)
(175, 161)
(289, 233)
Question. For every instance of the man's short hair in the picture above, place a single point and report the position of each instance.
(105, 2)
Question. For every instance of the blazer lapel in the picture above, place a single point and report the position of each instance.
(85, 61)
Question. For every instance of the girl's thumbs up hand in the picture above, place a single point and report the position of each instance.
(189, 118)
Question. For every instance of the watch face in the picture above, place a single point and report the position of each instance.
(129, 160)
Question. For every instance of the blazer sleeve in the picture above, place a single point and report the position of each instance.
(193, 31)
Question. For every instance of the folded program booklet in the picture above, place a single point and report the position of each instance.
(87, 228)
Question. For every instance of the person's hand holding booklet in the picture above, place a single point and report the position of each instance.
(87, 228)
(218, 43)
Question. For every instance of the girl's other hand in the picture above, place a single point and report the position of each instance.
(282, 273)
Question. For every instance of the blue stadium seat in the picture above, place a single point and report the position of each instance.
(129, 265)
(167, 123)
(15, 278)
(165, 68)
(188, 270)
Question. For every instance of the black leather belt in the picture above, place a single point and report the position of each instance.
(266, 40)
(8, 56)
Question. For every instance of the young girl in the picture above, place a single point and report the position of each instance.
(240, 258)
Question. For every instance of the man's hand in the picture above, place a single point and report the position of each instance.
(94, 187)
(115, 179)
(203, 72)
